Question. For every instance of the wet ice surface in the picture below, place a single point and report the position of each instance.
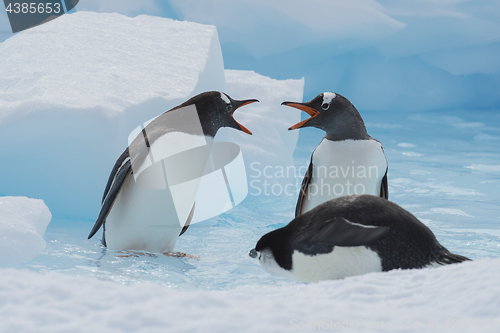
(222, 245)
(443, 168)
(439, 180)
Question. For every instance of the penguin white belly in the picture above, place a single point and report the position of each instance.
(147, 214)
(340, 263)
(270, 265)
(342, 168)
(142, 219)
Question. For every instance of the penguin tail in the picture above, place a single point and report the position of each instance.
(447, 258)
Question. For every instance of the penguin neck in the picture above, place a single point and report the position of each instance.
(346, 125)
(210, 124)
(209, 129)
(352, 131)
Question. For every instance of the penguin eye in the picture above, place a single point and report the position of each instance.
(229, 108)
(325, 106)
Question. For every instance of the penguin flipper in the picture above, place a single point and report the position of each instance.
(384, 188)
(322, 237)
(114, 187)
(303, 189)
(188, 221)
(116, 167)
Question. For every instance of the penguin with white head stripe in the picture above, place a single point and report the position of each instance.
(347, 161)
(136, 219)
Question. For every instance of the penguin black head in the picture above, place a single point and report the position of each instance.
(215, 110)
(274, 249)
(334, 114)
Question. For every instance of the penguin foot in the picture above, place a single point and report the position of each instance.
(180, 255)
(135, 254)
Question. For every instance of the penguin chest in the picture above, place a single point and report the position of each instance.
(340, 263)
(142, 219)
(342, 168)
(156, 199)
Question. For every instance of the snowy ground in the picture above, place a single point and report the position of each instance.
(449, 299)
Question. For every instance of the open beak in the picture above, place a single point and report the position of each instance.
(238, 104)
(310, 111)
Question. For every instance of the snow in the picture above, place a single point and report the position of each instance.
(33, 302)
(105, 56)
(23, 223)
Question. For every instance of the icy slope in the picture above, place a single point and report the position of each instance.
(23, 223)
(72, 90)
(427, 300)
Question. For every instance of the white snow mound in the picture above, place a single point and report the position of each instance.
(22, 225)
(425, 300)
(106, 62)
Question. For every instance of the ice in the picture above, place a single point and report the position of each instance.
(287, 25)
(73, 89)
(23, 223)
(370, 303)
(383, 55)
(484, 168)
(271, 146)
(406, 145)
(125, 7)
(105, 56)
(450, 211)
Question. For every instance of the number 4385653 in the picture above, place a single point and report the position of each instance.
(33, 8)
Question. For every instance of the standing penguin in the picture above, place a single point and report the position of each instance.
(347, 161)
(348, 236)
(138, 218)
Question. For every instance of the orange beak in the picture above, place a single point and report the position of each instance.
(243, 128)
(239, 104)
(310, 111)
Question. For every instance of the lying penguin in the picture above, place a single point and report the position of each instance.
(349, 236)
(135, 218)
(347, 161)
